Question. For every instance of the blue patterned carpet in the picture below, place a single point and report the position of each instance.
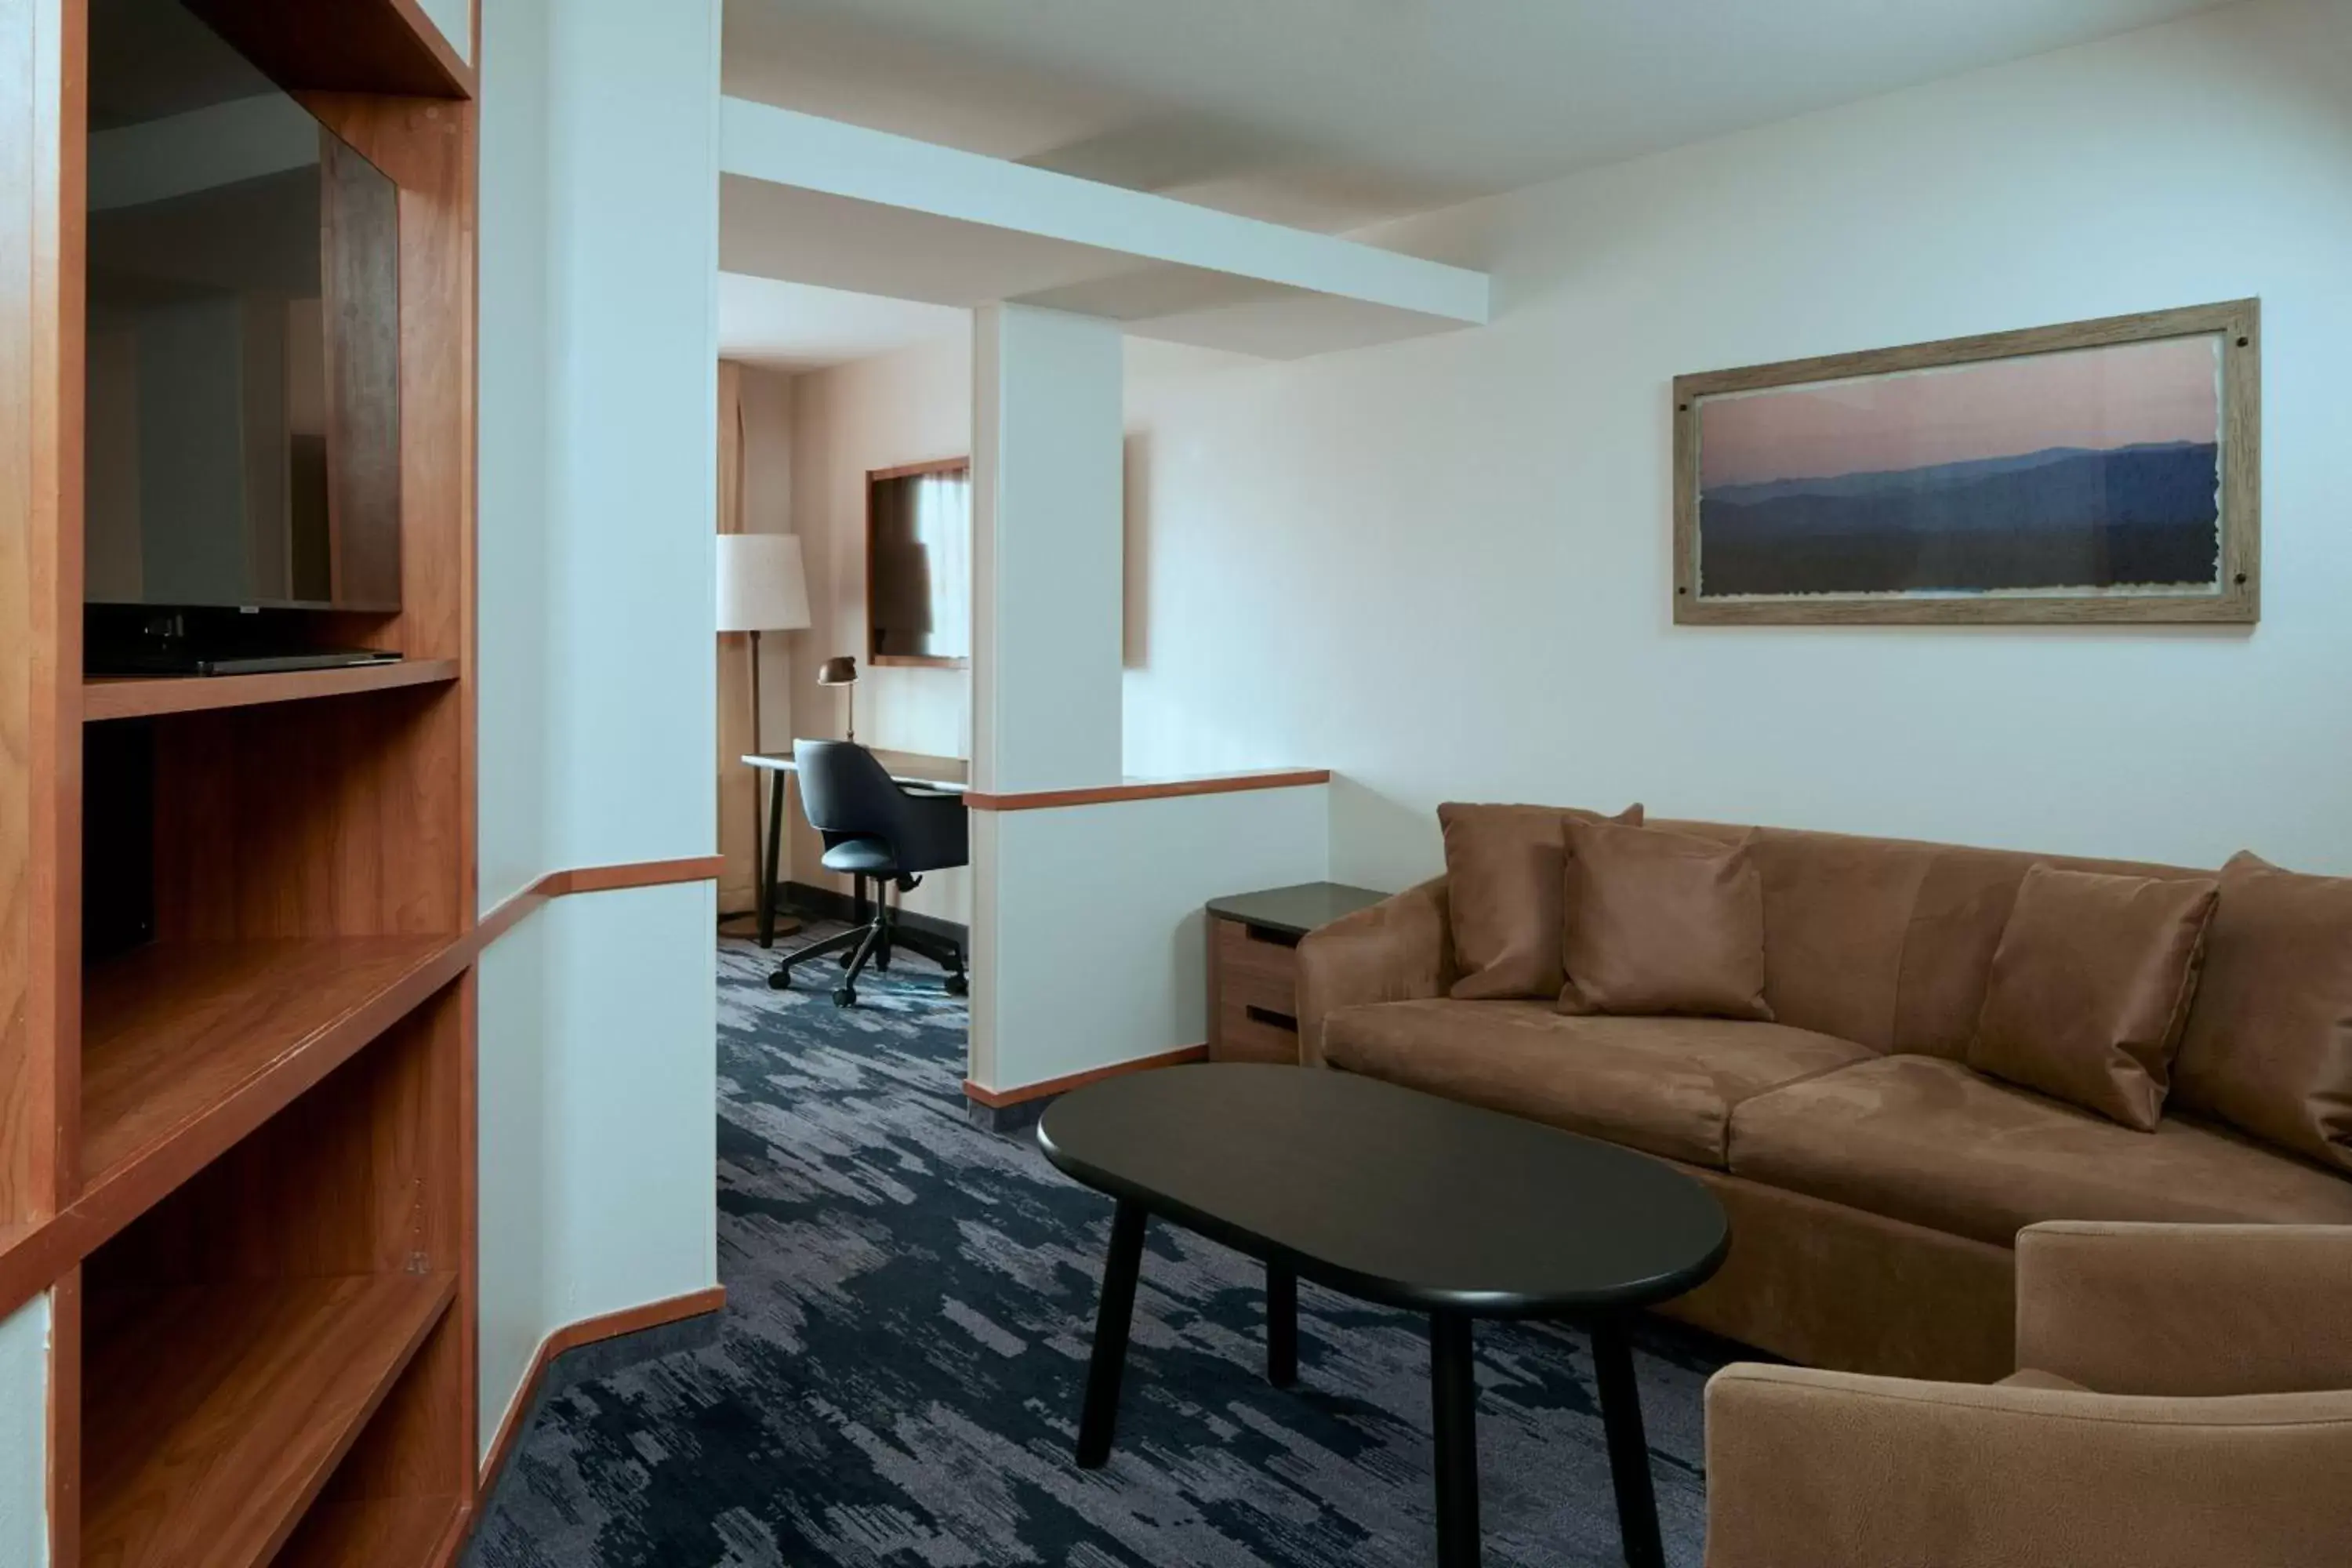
(896, 1380)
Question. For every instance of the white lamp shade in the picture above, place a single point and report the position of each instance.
(762, 585)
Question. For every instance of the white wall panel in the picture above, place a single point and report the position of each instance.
(1441, 567)
(1091, 945)
(24, 1433)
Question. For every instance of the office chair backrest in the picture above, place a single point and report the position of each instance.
(845, 790)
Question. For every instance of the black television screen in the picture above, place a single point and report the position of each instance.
(242, 415)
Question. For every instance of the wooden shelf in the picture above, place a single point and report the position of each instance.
(187, 1047)
(214, 1415)
(383, 1532)
(106, 696)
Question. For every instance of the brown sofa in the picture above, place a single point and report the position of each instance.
(1875, 1185)
(2183, 1399)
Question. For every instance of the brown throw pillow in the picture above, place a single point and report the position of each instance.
(1662, 923)
(2269, 1045)
(2090, 988)
(1503, 870)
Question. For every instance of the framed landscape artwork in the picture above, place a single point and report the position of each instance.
(2104, 471)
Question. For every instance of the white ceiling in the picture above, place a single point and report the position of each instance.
(1332, 113)
(796, 327)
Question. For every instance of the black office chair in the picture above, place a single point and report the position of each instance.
(871, 828)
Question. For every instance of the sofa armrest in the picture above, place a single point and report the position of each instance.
(1399, 949)
(1836, 1470)
(2187, 1309)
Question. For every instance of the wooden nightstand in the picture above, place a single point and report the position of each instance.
(1254, 965)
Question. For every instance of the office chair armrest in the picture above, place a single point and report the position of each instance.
(930, 832)
(2187, 1309)
(1836, 1471)
(1400, 949)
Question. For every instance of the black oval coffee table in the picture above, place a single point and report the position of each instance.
(1402, 1198)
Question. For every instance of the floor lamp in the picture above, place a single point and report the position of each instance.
(762, 587)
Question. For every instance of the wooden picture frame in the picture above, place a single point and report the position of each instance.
(875, 655)
(2234, 595)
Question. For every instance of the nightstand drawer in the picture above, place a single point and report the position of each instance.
(1256, 968)
(1246, 1032)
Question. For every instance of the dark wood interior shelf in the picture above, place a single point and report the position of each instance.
(106, 696)
(187, 1046)
(384, 1532)
(214, 1415)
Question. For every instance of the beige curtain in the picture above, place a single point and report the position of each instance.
(739, 795)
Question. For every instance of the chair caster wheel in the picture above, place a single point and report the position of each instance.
(882, 963)
(846, 997)
(957, 985)
(843, 957)
(781, 980)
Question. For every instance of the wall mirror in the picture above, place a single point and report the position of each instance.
(919, 565)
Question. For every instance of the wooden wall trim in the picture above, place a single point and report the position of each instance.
(1149, 789)
(998, 1098)
(593, 879)
(34, 1253)
(638, 874)
(571, 1336)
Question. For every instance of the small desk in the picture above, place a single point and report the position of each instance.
(908, 770)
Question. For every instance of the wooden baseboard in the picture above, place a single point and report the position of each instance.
(571, 1336)
(998, 1098)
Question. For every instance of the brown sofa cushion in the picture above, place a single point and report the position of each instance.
(1503, 870)
(1888, 941)
(1662, 1085)
(1837, 911)
(1928, 1141)
(1660, 922)
(2091, 986)
(2269, 1043)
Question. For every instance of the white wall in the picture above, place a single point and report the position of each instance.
(1441, 567)
(455, 20)
(517, 1053)
(513, 550)
(24, 1433)
(909, 406)
(597, 492)
(1092, 947)
(598, 1164)
(1047, 505)
(767, 399)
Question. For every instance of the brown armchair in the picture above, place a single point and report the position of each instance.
(1399, 949)
(2184, 1400)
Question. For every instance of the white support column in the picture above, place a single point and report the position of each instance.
(1048, 502)
(1047, 601)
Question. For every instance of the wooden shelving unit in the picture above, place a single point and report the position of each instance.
(106, 696)
(239, 1148)
(175, 1034)
(338, 1533)
(228, 1408)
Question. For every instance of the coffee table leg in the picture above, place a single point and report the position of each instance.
(1101, 1412)
(1453, 1391)
(1629, 1450)
(1281, 1324)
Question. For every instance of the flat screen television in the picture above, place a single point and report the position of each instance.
(242, 416)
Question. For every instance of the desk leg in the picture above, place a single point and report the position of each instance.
(1101, 1412)
(766, 853)
(1629, 1450)
(1454, 1395)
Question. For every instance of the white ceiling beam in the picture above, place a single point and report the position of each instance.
(783, 147)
